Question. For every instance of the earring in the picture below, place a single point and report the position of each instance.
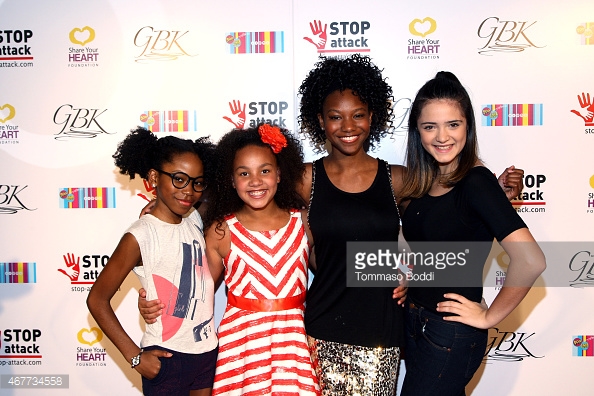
(154, 185)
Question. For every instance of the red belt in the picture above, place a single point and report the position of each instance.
(263, 305)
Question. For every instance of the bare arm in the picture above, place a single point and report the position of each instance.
(527, 262)
(304, 186)
(397, 173)
(149, 310)
(218, 244)
(147, 208)
(312, 254)
(124, 258)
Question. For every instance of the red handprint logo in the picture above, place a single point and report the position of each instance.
(237, 117)
(587, 109)
(72, 268)
(319, 35)
(148, 188)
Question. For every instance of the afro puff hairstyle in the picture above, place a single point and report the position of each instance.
(356, 73)
(223, 199)
(141, 151)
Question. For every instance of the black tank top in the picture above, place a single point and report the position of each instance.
(349, 315)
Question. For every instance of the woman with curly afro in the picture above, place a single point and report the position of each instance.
(354, 334)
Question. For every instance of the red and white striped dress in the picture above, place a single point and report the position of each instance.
(262, 346)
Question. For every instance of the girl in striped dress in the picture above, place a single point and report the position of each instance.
(257, 238)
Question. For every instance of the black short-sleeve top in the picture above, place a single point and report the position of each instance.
(475, 209)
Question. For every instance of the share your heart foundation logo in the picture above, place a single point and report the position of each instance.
(423, 27)
(89, 336)
(7, 112)
(82, 36)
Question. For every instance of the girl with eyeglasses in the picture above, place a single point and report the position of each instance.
(166, 250)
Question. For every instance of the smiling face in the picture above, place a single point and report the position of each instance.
(346, 121)
(442, 128)
(255, 176)
(173, 203)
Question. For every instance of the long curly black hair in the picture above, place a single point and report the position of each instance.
(142, 151)
(357, 73)
(223, 199)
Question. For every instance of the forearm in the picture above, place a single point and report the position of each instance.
(504, 303)
(519, 279)
(527, 262)
(107, 320)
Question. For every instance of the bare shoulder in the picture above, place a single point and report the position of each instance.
(304, 187)
(306, 226)
(218, 238)
(310, 240)
(128, 251)
(217, 232)
(124, 258)
(398, 173)
(398, 170)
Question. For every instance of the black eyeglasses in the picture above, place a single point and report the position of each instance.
(180, 180)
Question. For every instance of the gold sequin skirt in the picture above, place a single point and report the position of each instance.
(350, 370)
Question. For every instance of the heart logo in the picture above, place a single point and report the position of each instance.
(89, 337)
(427, 25)
(7, 112)
(592, 181)
(82, 36)
(503, 259)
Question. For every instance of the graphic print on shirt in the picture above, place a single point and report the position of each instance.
(181, 302)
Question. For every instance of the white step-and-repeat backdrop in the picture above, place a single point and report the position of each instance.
(76, 76)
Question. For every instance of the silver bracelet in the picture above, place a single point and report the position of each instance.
(136, 359)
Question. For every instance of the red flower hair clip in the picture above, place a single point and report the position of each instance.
(272, 136)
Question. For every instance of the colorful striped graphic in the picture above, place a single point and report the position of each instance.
(586, 33)
(256, 42)
(170, 121)
(87, 198)
(512, 114)
(18, 273)
(583, 345)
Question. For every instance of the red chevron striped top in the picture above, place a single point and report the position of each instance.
(264, 353)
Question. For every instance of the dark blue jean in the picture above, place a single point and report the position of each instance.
(441, 357)
(181, 373)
